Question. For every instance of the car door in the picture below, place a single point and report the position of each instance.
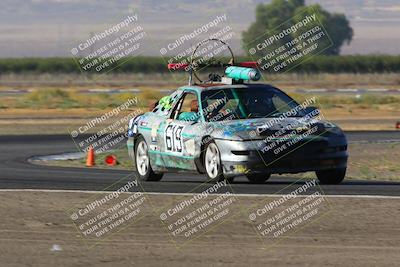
(153, 125)
(177, 134)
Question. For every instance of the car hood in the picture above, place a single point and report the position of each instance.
(263, 127)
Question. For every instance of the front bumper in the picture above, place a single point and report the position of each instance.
(283, 156)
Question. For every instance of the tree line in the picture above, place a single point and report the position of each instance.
(316, 64)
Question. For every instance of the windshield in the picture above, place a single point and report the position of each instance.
(247, 103)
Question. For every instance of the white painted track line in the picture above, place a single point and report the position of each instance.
(191, 194)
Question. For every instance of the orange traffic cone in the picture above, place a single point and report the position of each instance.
(90, 157)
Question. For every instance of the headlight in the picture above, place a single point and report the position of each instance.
(130, 133)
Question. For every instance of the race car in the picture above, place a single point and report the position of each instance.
(228, 127)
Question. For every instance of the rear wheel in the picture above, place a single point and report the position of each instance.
(258, 178)
(333, 176)
(143, 167)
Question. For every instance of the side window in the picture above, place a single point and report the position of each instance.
(165, 104)
(280, 105)
(188, 103)
(219, 105)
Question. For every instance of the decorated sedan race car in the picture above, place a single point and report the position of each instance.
(227, 127)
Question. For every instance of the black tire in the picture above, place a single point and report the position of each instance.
(230, 179)
(258, 178)
(219, 176)
(333, 176)
(148, 174)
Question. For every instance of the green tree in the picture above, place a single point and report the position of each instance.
(279, 14)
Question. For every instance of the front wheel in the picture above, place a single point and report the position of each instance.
(212, 162)
(258, 178)
(333, 176)
(143, 167)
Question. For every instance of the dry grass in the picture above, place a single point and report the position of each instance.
(56, 98)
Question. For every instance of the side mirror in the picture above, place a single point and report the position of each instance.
(312, 111)
(188, 116)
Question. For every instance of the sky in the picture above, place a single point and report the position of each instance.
(51, 28)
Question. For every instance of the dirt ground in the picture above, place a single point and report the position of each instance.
(36, 231)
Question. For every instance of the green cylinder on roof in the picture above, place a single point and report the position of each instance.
(240, 73)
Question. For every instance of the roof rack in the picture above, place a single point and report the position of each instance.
(233, 73)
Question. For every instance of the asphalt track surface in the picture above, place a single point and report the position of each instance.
(17, 173)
